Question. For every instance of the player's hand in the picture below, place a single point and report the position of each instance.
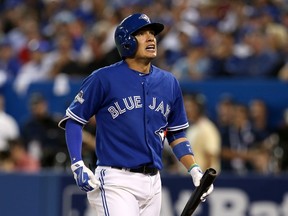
(197, 174)
(84, 177)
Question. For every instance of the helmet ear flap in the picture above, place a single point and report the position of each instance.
(130, 46)
(125, 42)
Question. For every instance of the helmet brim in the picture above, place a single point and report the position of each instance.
(156, 27)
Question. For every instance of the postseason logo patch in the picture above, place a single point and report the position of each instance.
(79, 97)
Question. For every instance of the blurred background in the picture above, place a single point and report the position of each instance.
(230, 57)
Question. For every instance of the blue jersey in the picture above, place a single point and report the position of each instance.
(132, 112)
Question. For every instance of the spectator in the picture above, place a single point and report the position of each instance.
(9, 128)
(68, 22)
(283, 72)
(264, 138)
(282, 150)
(176, 41)
(95, 55)
(9, 63)
(219, 55)
(202, 133)
(242, 149)
(27, 33)
(64, 58)
(6, 162)
(258, 112)
(240, 137)
(219, 22)
(194, 66)
(259, 61)
(36, 69)
(22, 161)
(42, 136)
(19, 26)
(224, 119)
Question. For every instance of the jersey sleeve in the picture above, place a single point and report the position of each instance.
(177, 119)
(87, 102)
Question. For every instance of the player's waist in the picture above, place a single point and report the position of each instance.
(142, 169)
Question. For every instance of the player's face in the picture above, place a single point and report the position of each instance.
(147, 47)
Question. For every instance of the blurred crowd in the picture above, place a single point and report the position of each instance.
(203, 39)
(238, 141)
(56, 40)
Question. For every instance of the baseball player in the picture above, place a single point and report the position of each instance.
(136, 106)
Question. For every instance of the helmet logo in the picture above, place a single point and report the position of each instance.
(145, 17)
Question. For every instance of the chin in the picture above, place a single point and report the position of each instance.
(154, 55)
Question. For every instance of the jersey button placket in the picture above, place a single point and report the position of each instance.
(146, 103)
(147, 110)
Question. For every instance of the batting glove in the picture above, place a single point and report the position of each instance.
(84, 177)
(197, 174)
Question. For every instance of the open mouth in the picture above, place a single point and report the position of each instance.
(150, 47)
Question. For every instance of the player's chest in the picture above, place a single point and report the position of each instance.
(139, 97)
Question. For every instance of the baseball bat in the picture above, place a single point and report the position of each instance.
(194, 200)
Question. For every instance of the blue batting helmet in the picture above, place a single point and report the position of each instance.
(126, 43)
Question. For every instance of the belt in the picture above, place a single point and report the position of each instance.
(143, 169)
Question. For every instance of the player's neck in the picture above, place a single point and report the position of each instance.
(140, 66)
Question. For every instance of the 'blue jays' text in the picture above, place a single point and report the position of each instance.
(135, 102)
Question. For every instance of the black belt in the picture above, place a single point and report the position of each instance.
(143, 169)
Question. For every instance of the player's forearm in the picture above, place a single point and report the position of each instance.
(73, 133)
(188, 161)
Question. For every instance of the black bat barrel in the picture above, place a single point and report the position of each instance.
(194, 200)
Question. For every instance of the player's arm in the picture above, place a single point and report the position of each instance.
(187, 159)
(182, 150)
(83, 176)
(181, 147)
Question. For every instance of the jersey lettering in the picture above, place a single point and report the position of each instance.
(135, 102)
(121, 111)
(129, 106)
(160, 107)
(114, 113)
(153, 105)
(167, 110)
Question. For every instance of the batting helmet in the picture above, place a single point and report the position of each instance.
(126, 43)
